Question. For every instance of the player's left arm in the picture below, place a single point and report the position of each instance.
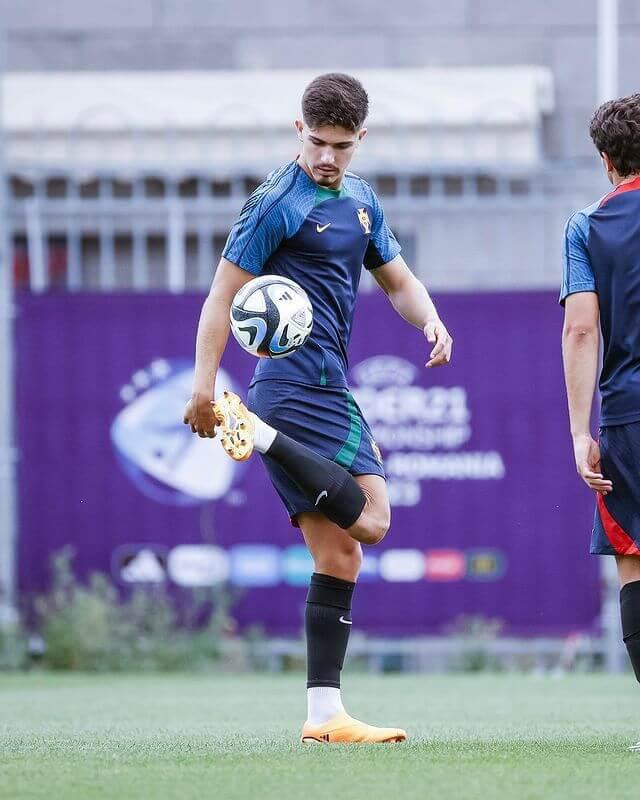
(580, 348)
(411, 300)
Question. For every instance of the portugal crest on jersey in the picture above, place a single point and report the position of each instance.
(364, 220)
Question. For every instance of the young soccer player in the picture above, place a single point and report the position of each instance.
(601, 292)
(317, 224)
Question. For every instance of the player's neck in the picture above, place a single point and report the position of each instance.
(618, 180)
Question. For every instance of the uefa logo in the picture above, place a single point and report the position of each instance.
(157, 452)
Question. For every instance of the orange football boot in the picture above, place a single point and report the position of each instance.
(236, 428)
(343, 729)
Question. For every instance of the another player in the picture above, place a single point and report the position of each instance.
(601, 291)
(317, 224)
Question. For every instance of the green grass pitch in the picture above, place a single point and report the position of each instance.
(206, 736)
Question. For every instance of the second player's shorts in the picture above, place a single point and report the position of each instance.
(327, 420)
(616, 527)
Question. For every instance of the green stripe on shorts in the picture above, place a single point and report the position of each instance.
(347, 453)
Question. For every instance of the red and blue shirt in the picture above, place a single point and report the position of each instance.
(602, 255)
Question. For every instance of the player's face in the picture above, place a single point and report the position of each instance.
(327, 151)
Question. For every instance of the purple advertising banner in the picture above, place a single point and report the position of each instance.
(488, 515)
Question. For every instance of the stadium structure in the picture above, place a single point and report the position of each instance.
(129, 148)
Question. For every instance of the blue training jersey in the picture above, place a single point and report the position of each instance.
(320, 238)
(602, 254)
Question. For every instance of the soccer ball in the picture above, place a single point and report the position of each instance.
(271, 317)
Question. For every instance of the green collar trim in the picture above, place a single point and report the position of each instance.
(322, 194)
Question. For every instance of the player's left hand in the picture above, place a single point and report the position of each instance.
(438, 335)
(587, 454)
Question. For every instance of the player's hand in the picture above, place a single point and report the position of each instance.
(438, 335)
(199, 415)
(587, 454)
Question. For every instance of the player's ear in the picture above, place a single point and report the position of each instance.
(610, 169)
(299, 126)
(361, 134)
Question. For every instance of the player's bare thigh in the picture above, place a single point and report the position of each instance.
(628, 569)
(338, 552)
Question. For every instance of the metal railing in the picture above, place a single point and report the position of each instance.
(473, 230)
(431, 654)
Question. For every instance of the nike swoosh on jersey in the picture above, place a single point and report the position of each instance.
(323, 493)
(346, 621)
(321, 228)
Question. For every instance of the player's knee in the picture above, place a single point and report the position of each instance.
(341, 563)
(377, 533)
(351, 561)
(375, 526)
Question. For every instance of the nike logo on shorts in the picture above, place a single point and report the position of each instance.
(323, 493)
(346, 621)
(321, 228)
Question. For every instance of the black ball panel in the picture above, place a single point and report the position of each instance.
(270, 317)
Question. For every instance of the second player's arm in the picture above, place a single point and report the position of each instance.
(211, 340)
(580, 348)
(411, 300)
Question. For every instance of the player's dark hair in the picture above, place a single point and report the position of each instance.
(335, 99)
(615, 130)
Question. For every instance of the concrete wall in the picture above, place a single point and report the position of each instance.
(215, 34)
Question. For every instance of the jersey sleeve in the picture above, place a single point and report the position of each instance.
(577, 272)
(383, 245)
(257, 232)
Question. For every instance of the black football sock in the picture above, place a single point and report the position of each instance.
(327, 624)
(630, 612)
(330, 488)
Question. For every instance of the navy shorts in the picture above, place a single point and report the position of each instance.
(616, 527)
(325, 419)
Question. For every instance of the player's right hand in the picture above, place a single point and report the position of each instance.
(199, 415)
(587, 455)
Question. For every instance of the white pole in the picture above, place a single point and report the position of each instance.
(7, 406)
(176, 246)
(35, 246)
(607, 50)
(608, 90)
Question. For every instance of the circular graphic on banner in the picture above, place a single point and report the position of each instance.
(158, 452)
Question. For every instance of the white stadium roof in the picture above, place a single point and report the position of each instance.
(419, 118)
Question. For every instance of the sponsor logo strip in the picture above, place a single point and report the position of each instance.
(253, 565)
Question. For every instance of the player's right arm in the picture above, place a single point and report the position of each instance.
(211, 340)
(256, 233)
(580, 351)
